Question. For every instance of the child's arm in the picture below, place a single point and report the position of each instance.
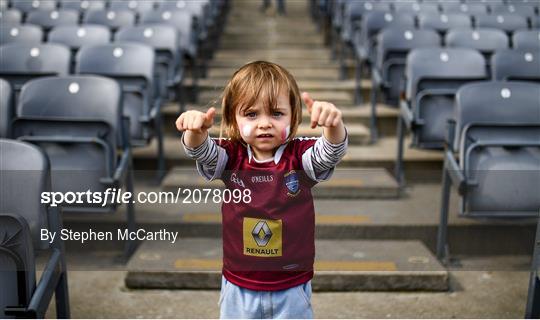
(320, 160)
(211, 158)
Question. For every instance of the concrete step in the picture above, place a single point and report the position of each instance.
(251, 37)
(318, 54)
(345, 184)
(298, 73)
(304, 85)
(286, 62)
(195, 263)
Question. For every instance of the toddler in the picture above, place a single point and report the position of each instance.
(268, 242)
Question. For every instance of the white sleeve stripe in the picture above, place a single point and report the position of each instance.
(206, 154)
(326, 155)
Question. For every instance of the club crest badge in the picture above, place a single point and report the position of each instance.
(292, 183)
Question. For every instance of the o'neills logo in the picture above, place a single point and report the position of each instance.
(261, 179)
(262, 237)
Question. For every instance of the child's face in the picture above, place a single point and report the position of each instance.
(265, 130)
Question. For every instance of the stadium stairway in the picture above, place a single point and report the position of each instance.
(369, 234)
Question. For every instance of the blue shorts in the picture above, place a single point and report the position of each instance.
(238, 302)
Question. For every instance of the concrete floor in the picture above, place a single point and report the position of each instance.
(474, 294)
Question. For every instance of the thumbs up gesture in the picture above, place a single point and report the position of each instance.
(196, 121)
(324, 114)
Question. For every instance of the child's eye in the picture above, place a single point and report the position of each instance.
(251, 114)
(277, 114)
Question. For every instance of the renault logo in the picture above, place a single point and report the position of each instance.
(261, 233)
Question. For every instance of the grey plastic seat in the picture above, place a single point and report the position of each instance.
(77, 120)
(26, 6)
(133, 5)
(113, 19)
(21, 34)
(496, 132)
(10, 17)
(470, 8)
(505, 22)
(169, 66)
(6, 108)
(82, 5)
(416, 8)
(50, 19)
(393, 45)
(433, 77)
(22, 62)
(526, 40)
(132, 65)
(524, 9)
(365, 40)
(75, 37)
(520, 65)
(24, 175)
(443, 22)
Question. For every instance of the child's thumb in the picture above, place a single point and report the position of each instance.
(307, 100)
(209, 117)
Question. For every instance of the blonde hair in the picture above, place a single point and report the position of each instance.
(258, 80)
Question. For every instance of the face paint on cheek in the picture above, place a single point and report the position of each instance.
(246, 130)
(285, 133)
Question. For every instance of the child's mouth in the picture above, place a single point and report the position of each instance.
(265, 136)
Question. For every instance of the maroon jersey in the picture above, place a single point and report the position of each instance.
(269, 243)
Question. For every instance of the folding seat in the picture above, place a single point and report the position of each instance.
(110, 18)
(432, 77)
(505, 22)
(393, 45)
(78, 122)
(132, 65)
(516, 65)
(21, 34)
(352, 22)
(496, 133)
(523, 9)
(75, 37)
(50, 19)
(24, 176)
(415, 8)
(365, 40)
(485, 40)
(138, 7)
(169, 66)
(444, 22)
(22, 62)
(4, 4)
(82, 5)
(10, 17)
(470, 8)
(26, 6)
(187, 37)
(6, 107)
(526, 39)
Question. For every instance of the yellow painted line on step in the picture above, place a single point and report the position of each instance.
(198, 264)
(355, 266)
(325, 265)
(319, 218)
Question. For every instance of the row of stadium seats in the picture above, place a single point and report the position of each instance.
(71, 110)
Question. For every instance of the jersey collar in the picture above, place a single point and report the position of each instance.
(277, 155)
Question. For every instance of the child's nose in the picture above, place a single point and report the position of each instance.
(264, 122)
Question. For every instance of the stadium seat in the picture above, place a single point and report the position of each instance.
(80, 127)
(26, 6)
(516, 65)
(23, 167)
(505, 22)
(110, 18)
(496, 133)
(169, 66)
(21, 34)
(432, 78)
(465, 8)
(22, 62)
(10, 17)
(6, 108)
(415, 8)
(526, 40)
(365, 40)
(132, 65)
(443, 22)
(50, 19)
(387, 73)
(138, 7)
(82, 5)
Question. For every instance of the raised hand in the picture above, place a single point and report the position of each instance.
(324, 114)
(196, 121)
